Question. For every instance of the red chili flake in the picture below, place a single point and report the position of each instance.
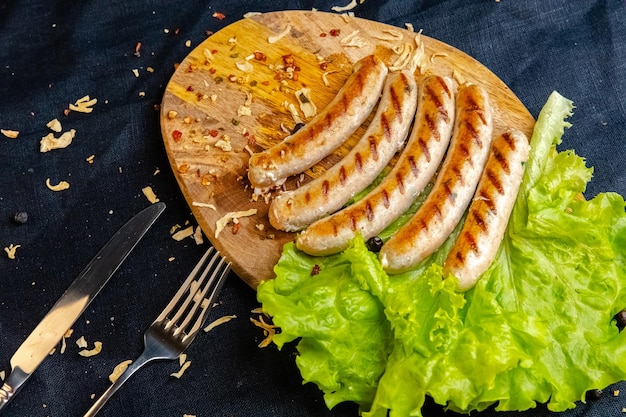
(177, 135)
(212, 70)
(265, 82)
(137, 48)
(259, 56)
(335, 32)
(219, 15)
(176, 31)
(324, 65)
(251, 140)
(208, 33)
(214, 51)
(213, 133)
(232, 78)
(235, 228)
(199, 96)
(315, 270)
(322, 35)
(190, 88)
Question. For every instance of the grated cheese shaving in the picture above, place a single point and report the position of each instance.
(10, 250)
(276, 38)
(345, 8)
(150, 195)
(409, 27)
(205, 205)
(224, 144)
(389, 35)
(244, 66)
(2, 375)
(182, 370)
(119, 369)
(269, 330)
(294, 111)
(84, 104)
(197, 236)
(232, 216)
(54, 125)
(81, 342)
(49, 142)
(353, 40)
(11, 134)
(63, 185)
(306, 103)
(182, 234)
(219, 321)
(244, 111)
(88, 353)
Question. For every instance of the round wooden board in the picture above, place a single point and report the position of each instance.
(203, 103)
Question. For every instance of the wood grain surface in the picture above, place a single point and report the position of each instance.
(206, 104)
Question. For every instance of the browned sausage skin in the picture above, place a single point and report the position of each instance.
(415, 167)
(487, 218)
(455, 185)
(295, 210)
(326, 131)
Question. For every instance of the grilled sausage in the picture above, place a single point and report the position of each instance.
(295, 210)
(478, 242)
(443, 208)
(416, 166)
(326, 131)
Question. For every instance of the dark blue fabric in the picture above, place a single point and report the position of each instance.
(53, 52)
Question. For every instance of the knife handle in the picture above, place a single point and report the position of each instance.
(11, 386)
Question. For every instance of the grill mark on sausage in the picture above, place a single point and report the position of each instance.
(459, 256)
(509, 140)
(479, 219)
(487, 199)
(414, 169)
(358, 162)
(437, 210)
(444, 86)
(385, 196)
(471, 241)
(369, 211)
(384, 122)
(373, 148)
(353, 223)
(400, 182)
(473, 133)
(396, 100)
(307, 197)
(495, 181)
(464, 150)
(448, 192)
(433, 96)
(501, 160)
(342, 175)
(423, 224)
(325, 188)
(424, 147)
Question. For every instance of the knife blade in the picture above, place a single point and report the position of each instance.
(75, 300)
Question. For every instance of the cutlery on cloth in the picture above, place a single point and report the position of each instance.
(75, 300)
(178, 324)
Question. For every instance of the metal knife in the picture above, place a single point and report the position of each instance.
(75, 300)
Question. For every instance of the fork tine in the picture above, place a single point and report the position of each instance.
(218, 277)
(195, 294)
(185, 286)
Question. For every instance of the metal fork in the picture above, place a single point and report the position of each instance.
(177, 326)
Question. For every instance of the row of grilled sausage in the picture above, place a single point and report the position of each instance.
(449, 136)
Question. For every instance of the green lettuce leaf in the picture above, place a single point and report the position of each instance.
(538, 326)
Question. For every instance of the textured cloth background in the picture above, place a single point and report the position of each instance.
(54, 52)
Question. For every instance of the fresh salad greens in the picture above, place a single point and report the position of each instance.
(538, 326)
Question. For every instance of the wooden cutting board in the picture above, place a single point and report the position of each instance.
(230, 96)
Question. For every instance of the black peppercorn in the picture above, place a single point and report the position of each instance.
(374, 244)
(19, 217)
(620, 320)
(297, 127)
(593, 395)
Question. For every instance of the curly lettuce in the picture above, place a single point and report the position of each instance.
(538, 326)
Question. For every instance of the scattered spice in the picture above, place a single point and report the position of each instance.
(219, 16)
(315, 270)
(20, 217)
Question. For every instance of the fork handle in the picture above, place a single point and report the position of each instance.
(134, 367)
